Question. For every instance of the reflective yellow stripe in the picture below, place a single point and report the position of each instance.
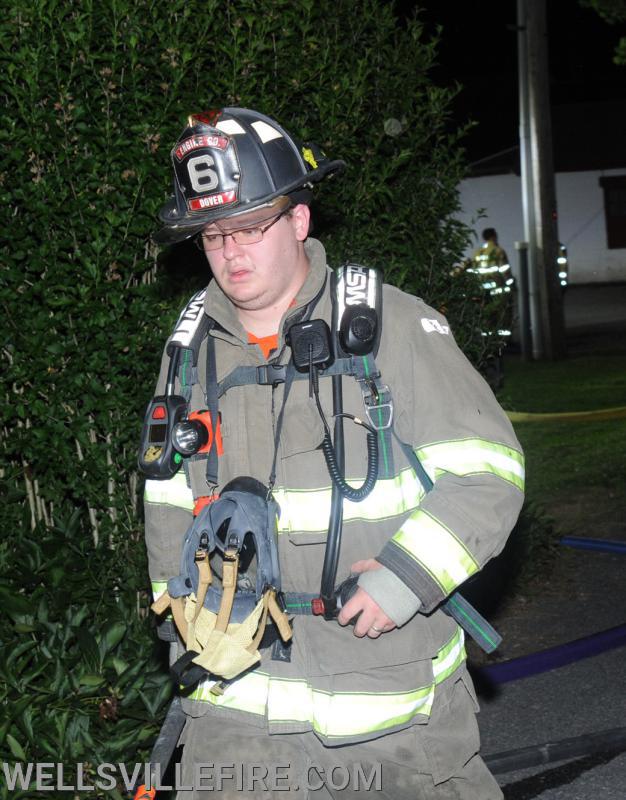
(245, 694)
(333, 714)
(308, 510)
(437, 549)
(450, 657)
(158, 588)
(473, 456)
(341, 714)
(173, 492)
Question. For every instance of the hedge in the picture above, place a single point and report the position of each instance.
(93, 97)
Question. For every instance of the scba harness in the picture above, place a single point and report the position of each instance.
(224, 628)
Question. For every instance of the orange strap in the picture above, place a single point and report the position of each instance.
(143, 793)
(201, 502)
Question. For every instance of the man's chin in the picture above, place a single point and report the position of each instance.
(246, 301)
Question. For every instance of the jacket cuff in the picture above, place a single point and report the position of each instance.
(418, 581)
(393, 595)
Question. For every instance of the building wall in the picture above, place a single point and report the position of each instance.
(582, 227)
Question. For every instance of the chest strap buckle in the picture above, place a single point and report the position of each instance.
(271, 374)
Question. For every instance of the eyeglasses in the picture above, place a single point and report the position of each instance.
(215, 241)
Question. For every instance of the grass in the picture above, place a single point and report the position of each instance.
(564, 457)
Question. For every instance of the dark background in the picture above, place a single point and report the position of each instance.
(478, 49)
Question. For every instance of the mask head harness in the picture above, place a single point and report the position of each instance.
(232, 543)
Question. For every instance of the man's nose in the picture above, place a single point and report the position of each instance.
(230, 247)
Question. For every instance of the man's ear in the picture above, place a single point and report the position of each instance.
(301, 218)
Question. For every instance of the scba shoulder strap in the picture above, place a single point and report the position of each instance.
(191, 329)
(357, 298)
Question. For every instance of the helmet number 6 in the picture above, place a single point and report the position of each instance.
(202, 177)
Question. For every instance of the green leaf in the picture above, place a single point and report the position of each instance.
(111, 637)
(91, 680)
(89, 647)
(16, 748)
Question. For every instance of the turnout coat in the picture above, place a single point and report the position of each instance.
(343, 688)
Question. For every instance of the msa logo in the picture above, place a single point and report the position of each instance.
(356, 286)
(189, 320)
(190, 314)
(431, 325)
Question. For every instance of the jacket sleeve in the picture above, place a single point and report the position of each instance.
(168, 507)
(449, 415)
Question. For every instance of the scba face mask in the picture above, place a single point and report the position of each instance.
(228, 586)
(231, 161)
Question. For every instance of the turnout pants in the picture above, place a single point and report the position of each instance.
(231, 759)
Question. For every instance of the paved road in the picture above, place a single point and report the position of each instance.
(590, 695)
(586, 697)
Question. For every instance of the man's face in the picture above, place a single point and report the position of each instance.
(266, 274)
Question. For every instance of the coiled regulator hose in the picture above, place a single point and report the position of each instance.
(349, 492)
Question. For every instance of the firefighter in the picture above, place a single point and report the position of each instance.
(491, 263)
(386, 682)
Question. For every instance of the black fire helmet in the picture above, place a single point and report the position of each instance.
(231, 161)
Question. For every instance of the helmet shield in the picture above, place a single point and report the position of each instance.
(231, 161)
(206, 170)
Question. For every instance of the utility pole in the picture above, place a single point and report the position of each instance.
(538, 187)
(528, 203)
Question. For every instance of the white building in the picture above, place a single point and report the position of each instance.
(590, 174)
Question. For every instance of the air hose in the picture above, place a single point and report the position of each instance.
(333, 540)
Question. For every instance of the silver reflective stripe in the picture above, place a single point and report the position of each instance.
(437, 549)
(333, 714)
(471, 457)
(173, 492)
(308, 510)
(486, 270)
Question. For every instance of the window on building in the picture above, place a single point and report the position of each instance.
(615, 210)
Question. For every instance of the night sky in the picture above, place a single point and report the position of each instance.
(478, 49)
